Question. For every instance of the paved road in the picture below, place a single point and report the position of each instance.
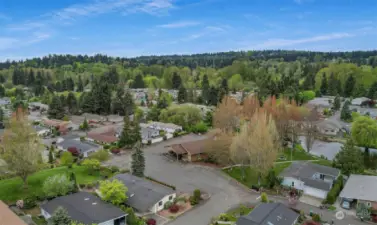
(224, 192)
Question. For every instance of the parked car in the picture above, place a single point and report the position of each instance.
(346, 205)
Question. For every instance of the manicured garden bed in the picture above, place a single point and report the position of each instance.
(251, 176)
(12, 189)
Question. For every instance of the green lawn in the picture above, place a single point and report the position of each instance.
(251, 176)
(297, 154)
(323, 162)
(12, 189)
(234, 214)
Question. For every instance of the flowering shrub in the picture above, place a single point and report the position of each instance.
(115, 151)
(73, 151)
(151, 221)
(174, 208)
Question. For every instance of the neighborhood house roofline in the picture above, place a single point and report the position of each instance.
(194, 147)
(102, 137)
(8, 217)
(84, 207)
(360, 187)
(143, 194)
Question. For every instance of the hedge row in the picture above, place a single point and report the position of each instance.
(154, 180)
(335, 190)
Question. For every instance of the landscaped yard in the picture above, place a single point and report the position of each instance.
(234, 214)
(12, 189)
(251, 176)
(296, 154)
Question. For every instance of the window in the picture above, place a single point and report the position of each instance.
(170, 197)
(293, 184)
(160, 203)
(321, 176)
(369, 204)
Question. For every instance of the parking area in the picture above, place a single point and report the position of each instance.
(187, 177)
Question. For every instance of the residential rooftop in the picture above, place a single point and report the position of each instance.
(360, 187)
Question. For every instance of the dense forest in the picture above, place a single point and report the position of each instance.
(288, 73)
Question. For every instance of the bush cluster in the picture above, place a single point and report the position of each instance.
(174, 208)
(196, 197)
(335, 190)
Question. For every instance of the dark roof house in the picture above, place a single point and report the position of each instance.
(143, 194)
(82, 146)
(269, 214)
(85, 208)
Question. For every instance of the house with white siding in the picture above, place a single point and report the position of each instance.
(145, 196)
(85, 208)
(312, 179)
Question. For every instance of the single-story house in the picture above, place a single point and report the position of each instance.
(5, 101)
(8, 217)
(85, 208)
(103, 138)
(38, 106)
(313, 179)
(362, 189)
(320, 103)
(149, 133)
(329, 127)
(359, 101)
(168, 127)
(189, 151)
(145, 196)
(85, 148)
(269, 214)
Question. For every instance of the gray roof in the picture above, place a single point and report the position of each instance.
(360, 187)
(269, 214)
(143, 194)
(359, 101)
(82, 146)
(306, 170)
(85, 208)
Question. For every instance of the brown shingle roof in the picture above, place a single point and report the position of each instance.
(105, 137)
(193, 147)
(8, 217)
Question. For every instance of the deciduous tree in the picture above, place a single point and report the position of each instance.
(113, 191)
(21, 147)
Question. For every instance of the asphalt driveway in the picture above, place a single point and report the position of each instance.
(186, 177)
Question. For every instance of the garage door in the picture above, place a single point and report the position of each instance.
(315, 192)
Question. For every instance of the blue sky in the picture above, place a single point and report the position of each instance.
(144, 27)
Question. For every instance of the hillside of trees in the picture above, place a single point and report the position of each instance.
(288, 73)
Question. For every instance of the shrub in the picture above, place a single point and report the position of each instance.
(193, 200)
(89, 185)
(149, 142)
(74, 151)
(165, 138)
(30, 202)
(180, 199)
(101, 155)
(82, 139)
(57, 185)
(176, 134)
(115, 151)
(106, 146)
(335, 190)
(200, 127)
(124, 171)
(168, 204)
(65, 118)
(151, 221)
(91, 164)
(316, 218)
(106, 173)
(114, 169)
(174, 208)
(197, 194)
(264, 197)
(66, 159)
(82, 185)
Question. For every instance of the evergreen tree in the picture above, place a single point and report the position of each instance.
(31, 78)
(332, 85)
(85, 125)
(367, 160)
(190, 95)
(56, 110)
(372, 93)
(101, 94)
(70, 84)
(113, 75)
(58, 86)
(63, 100)
(147, 100)
(38, 86)
(336, 105)
(73, 179)
(213, 96)
(71, 103)
(138, 82)
(1, 117)
(136, 132)
(2, 78)
(50, 156)
(349, 86)
(349, 160)
(2, 91)
(80, 85)
(224, 86)
(176, 81)
(339, 87)
(142, 103)
(154, 113)
(181, 95)
(87, 102)
(205, 89)
(125, 139)
(60, 217)
(323, 87)
(345, 113)
(138, 161)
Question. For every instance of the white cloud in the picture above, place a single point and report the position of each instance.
(274, 43)
(179, 24)
(6, 42)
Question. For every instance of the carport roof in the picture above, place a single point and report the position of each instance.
(193, 147)
(360, 187)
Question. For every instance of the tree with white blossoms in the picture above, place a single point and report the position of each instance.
(57, 185)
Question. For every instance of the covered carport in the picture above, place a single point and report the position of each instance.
(177, 151)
